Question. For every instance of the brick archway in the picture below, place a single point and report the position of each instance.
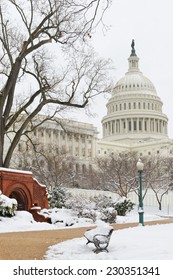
(22, 192)
(24, 188)
(20, 195)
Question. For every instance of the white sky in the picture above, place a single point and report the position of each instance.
(149, 23)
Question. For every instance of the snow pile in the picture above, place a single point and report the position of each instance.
(23, 221)
(64, 217)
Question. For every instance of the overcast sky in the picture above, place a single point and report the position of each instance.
(150, 24)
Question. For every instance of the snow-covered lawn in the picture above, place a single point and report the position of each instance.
(139, 243)
(23, 220)
(148, 242)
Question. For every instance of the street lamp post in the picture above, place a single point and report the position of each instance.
(140, 167)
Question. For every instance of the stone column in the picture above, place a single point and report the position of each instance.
(116, 126)
(44, 137)
(59, 138)
(73, 146)
(148, 125)
(126, 124)
(79, 146)
(121, 126)
(166, 128)
(132, 126)
(113, 127)
(93, 147)
(86, 146)
(66, 142)
(143, 125)
(154, 125)
(52, 137)
(137, 125)
(110, 128)
(150, 121)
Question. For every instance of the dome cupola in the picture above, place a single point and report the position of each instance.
(134, 80)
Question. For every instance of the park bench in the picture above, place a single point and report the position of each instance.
(99, 237)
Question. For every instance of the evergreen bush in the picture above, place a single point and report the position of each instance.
(56, 197)
(123, 206)
(8, 206)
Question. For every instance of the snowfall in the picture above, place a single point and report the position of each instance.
(134, 243)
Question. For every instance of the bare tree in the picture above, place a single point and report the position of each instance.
(158, 175)
(86, 177)
(53, 168)
(45, 61)
(118, 173)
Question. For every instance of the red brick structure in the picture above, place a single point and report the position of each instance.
(24, 188)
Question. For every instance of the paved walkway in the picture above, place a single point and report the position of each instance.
(33, 245)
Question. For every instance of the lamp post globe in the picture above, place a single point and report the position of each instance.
(140, 167)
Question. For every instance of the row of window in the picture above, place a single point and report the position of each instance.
(133, 86)
(134, 105)
(107, 152)
(22, 147)
(79, 168)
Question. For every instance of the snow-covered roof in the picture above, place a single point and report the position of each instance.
(15, 170)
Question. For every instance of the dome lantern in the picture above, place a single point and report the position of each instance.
(134, 80)
(133, 59)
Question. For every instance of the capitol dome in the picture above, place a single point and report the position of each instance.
(134, 111)
(134, 82)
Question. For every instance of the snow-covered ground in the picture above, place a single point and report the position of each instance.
(139, 243)
(23, 220)
(148, 242)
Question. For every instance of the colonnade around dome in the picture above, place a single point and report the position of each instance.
(121, 127)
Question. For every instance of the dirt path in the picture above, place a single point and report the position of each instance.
(33, 245)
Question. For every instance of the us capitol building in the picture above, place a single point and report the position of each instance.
(134, 122)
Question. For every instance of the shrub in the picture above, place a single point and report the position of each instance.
(98, 207)
(109, 215)
(123, 206)
(56, 197)
(8, 206)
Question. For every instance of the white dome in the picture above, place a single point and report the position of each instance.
(134, 82)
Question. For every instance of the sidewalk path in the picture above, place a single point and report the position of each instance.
(33, 245)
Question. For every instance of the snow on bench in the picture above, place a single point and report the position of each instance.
(100, 237)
